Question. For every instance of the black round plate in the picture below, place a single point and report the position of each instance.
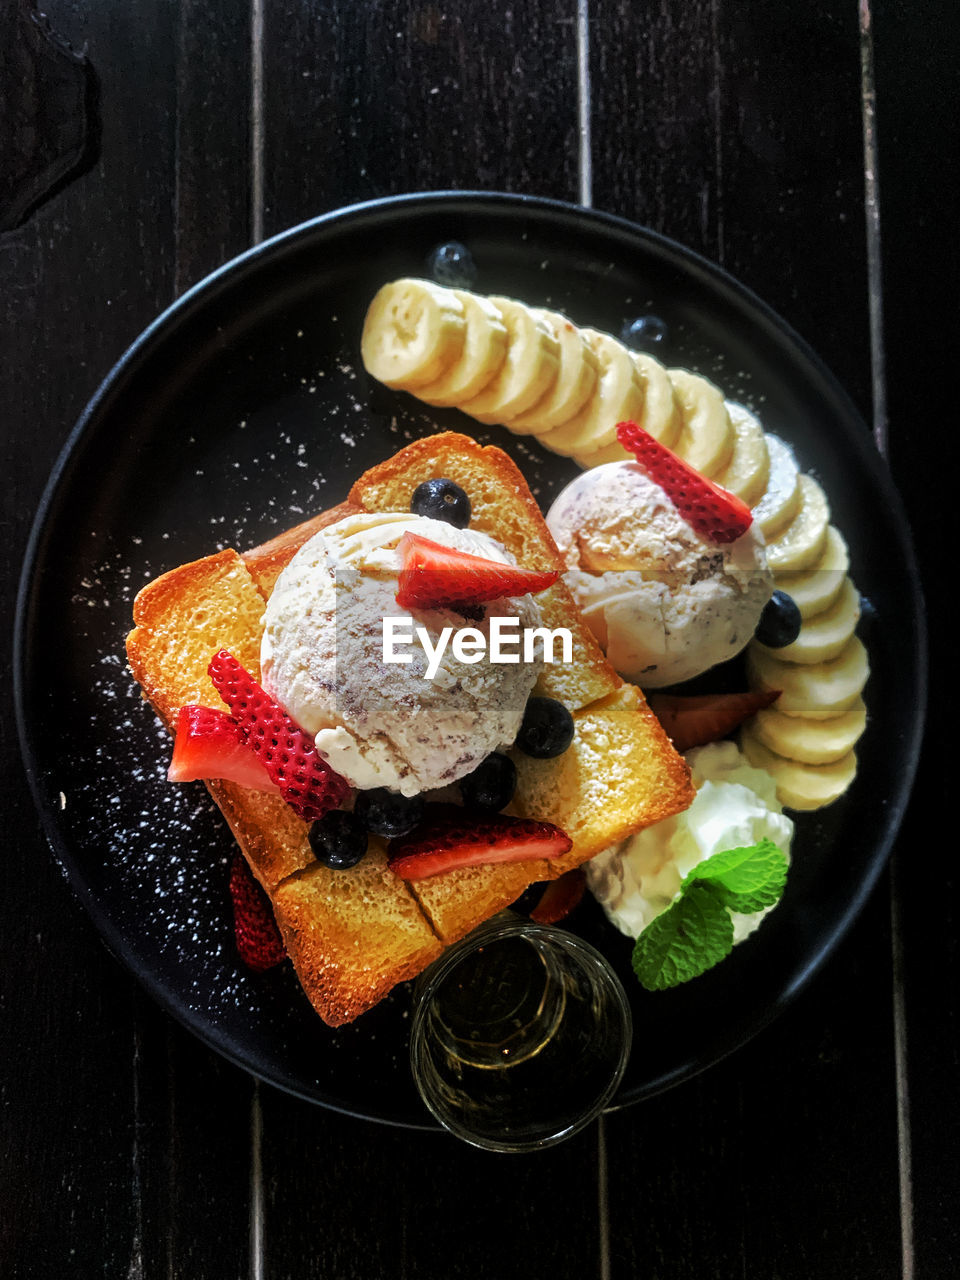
(244, 409)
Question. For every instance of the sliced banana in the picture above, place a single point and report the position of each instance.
(781, 499)
(817, 690)
(802, 542)
(579, 369)
(661, 413)
(613, 452)
(414, 330)
(747, 472)
(617, 395)
(706, 433)
(810, 741)
(801, 786)
(825, 635)
(484, 351)
(815, 590)
(529, 370)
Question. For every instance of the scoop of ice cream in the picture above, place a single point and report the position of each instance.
(735, 806)
(379, 723)
(663, 603)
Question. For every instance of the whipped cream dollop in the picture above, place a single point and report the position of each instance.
(664, 603)
(735, 805)
(385, 724)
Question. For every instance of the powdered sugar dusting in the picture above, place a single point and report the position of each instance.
(277, 428)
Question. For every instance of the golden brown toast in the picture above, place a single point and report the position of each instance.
(352, 935)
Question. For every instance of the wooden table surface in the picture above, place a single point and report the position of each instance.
(828, 1146)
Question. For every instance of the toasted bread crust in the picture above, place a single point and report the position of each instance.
(181, 619)
(351, 936)
(266, 562)
(619, 774)
(271, 836)
(354, 935)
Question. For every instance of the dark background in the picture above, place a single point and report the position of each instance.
(828, 1145)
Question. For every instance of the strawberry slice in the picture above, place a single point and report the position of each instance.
(433, 576)
(715, 513)
(693, 720)
(258, 938)
(304, 778)
(452, 837)
(560, 897)
(209, 744)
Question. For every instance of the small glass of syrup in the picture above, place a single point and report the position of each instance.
(520, 1036)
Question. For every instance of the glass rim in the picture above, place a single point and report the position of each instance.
(586, 954)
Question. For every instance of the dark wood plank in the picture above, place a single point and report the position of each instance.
(354, 1200)
(747, 146)
(67, 1077)
(213, 205)
(361, 101)
(764, 1164)
(744, 144)
(918, 135)
(656, 71)
(192, 1154)
(125, 1143)
(366, 100)
(71, 1117)
(791, 218)
(123, 1139)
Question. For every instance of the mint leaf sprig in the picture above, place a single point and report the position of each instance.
(696, 930)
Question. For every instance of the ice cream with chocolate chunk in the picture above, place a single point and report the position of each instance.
(380, 723)
(664, 603)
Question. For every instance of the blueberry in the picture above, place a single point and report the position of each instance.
(868, 614)
(339, 839)
(646, 333)
(441, 500)
(452, 264)
(780, 621)
(386, 813)
(547, 728)
(491, 785)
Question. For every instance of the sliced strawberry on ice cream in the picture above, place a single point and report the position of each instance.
(715, 513)
(304, 778)
(451, 837)
(433, 576)
(560, 897)
(692, 720)
(258, 938)
(209, 744)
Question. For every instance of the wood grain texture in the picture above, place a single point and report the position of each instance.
(767, 1164)
(191, 1155)
(733, 149)
(381, 1202)
(366, 100)
(919, 215)
(70, 1119)
(126, 1144)
(113, 1118)
(744, 143)
(213, 220)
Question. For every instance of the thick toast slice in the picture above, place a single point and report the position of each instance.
(352, 935)
(593, 791)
